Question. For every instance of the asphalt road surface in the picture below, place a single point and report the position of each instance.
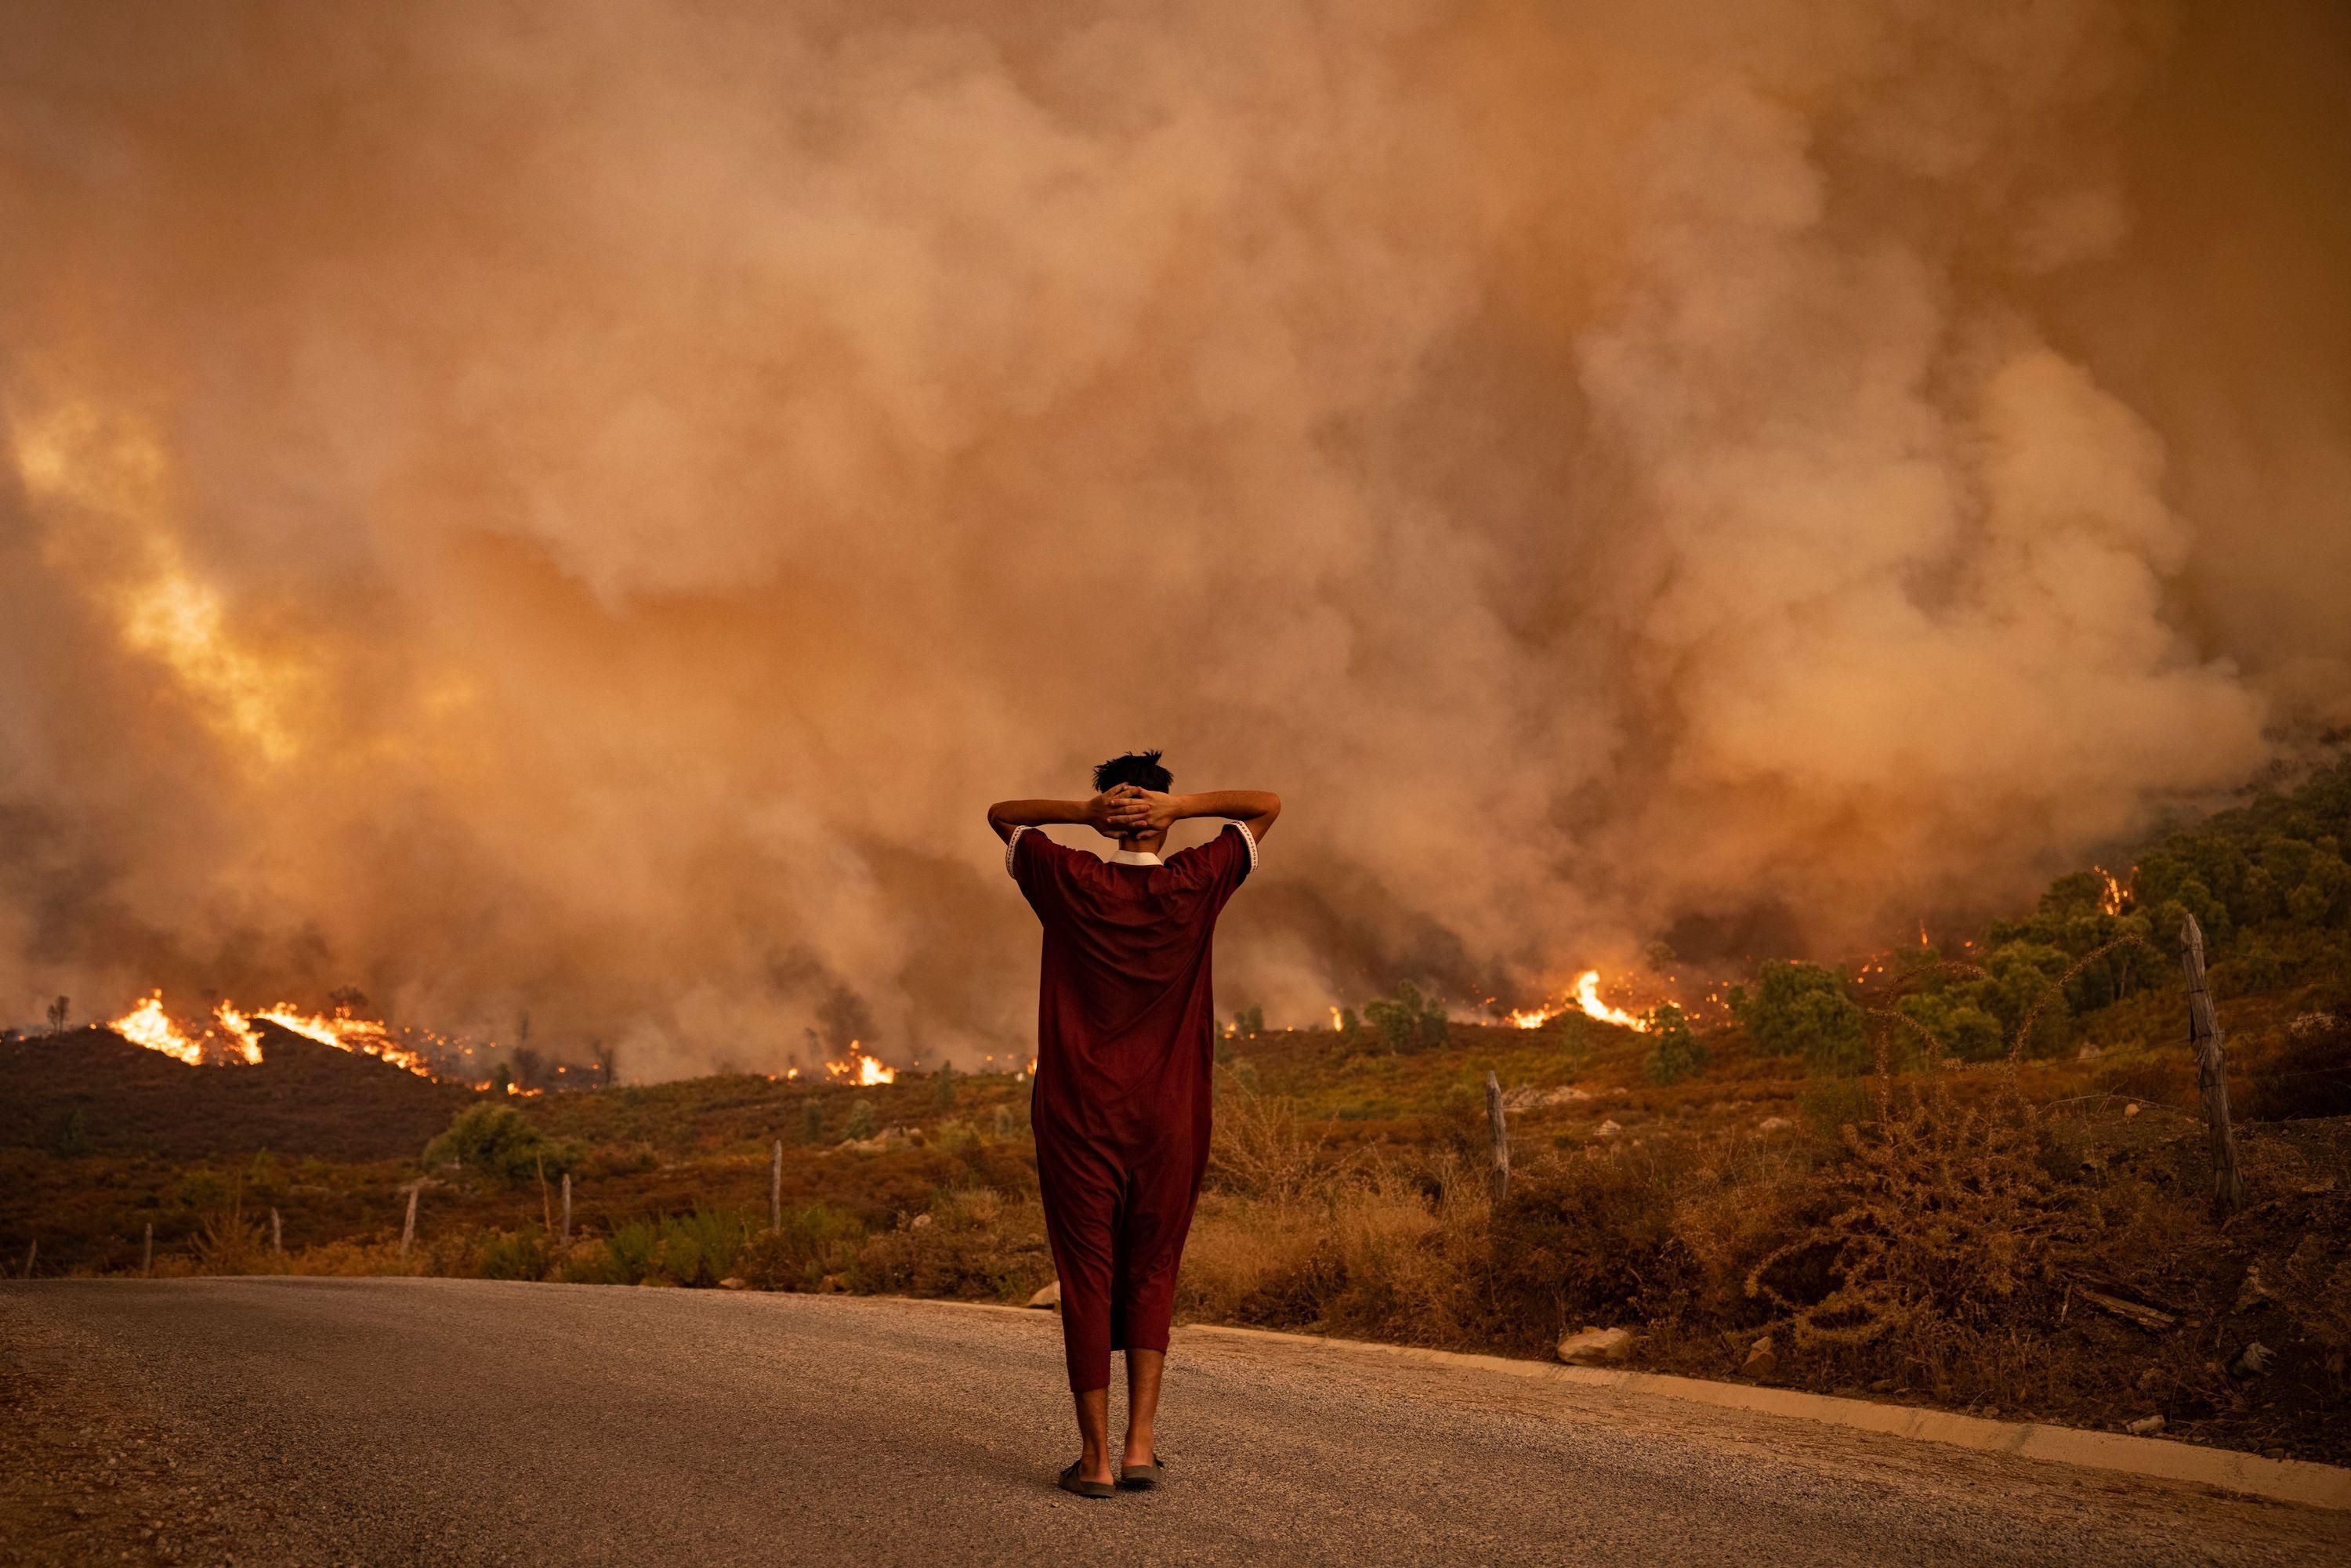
(427, 1421)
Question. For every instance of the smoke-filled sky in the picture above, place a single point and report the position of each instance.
(575, 508)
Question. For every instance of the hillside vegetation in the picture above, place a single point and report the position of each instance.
(1977, 1180)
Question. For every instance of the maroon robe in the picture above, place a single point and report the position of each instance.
(1127, 1029)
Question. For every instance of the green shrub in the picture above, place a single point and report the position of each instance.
(633, 1253)
(514, 1255)
(860, 1121)
(1675, 1052)
(701, 1248)
(1802, 1009)
(489, 1136)
(815, 1240)
(1957, 1027)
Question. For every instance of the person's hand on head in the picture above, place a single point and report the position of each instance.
(1138, 812)
(1104, 812)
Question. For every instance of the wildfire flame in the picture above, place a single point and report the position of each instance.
(366, 1036)
(861, 1069)
(232, 1035)
(1587, 997)
(248, 1038)
(1586, 1001)
(147, 1024)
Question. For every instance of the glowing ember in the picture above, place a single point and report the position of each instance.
(1587, 997)
(2111, 900)
(148, 1025)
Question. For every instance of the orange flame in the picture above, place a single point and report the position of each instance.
(363, 1037)
(861, 1069)
(1585, 1000)
(1587, 997)
(147, 1024)
(248, 1038)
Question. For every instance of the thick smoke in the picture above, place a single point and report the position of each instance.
(573, 508)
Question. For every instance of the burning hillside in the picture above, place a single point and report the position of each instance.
(300, 1098)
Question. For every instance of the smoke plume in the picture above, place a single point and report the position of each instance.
(573, 508)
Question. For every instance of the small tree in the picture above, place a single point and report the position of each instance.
(812, 1123)
(860, 1121)
(1407, 1020)
(1249, 1022)
(498, 1139)
(943, 1096)
(1675, 1052)
(1802, 1009)
(59, 1010)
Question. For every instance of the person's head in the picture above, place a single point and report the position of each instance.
(1142, 769)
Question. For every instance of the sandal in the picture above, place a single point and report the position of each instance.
(1140, 1478)
(1070, 1482)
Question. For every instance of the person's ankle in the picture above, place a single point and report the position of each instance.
(1140, 1448)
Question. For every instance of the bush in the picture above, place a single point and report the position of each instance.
(701, 1248)
(1940, 1220)
(1957, 1026)
(1674, 1053)
(496, 1138)
(1802, 1009)
(512, 1255)
(815, 1240)
(1406, 1022)
(972, 1244)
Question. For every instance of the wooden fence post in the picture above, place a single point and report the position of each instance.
(147, 1251)
(408, 1230)
(2211, 1071)
(563, 1239)
(276, 1234)
(1501, 1133)
(776, 1188)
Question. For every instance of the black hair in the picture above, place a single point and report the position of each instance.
(1137, 768)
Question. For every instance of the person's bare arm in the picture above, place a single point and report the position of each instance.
(1006, 815)
(1135, 811)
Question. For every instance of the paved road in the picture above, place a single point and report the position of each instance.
(433, 1421)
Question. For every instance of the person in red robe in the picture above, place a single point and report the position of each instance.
(1126, 1028)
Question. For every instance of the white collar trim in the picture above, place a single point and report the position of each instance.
(1134, 857)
